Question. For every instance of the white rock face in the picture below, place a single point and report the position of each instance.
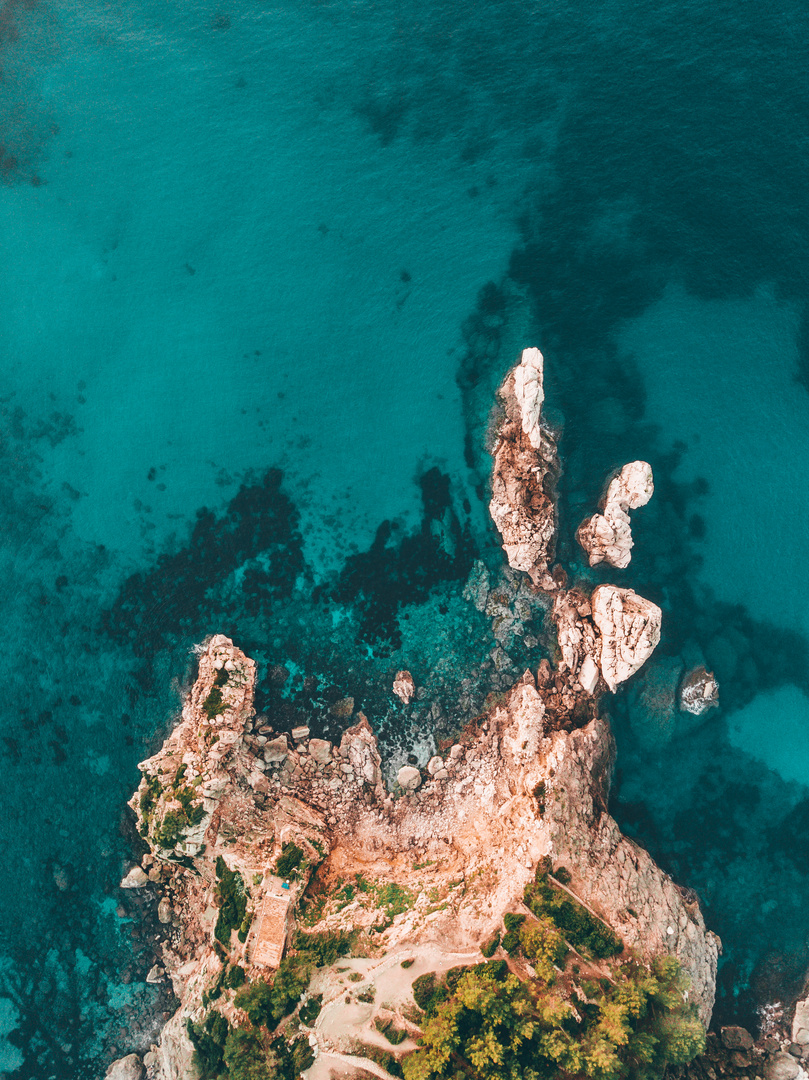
(629, 627)
(607, 537)
(404, 687)
(126, 1068)
(530, 394)
(135, 879)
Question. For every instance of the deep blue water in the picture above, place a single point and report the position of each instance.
(261, 268)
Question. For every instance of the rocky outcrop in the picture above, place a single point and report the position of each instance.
(629, 627)
(523, 504)
(699, 691)
(126, 1068)
(404, 687)
(607, 537)
(487, 811)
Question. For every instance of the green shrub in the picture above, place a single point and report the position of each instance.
(562, 875)
(289, 860)
(584, 931)
(234, 978)
(408, 963)
(310, 1010)
(213, 704)
(511, 938)
(170, 830)
(257, 1001)
(429, 991)
(245, 1056)
(231, 897)
(208, 1040)
(323, 948)
(392, 1033)
(367, 996)
(379, 1056)
(489, 948)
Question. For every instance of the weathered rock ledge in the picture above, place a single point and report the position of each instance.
(607, 537)
(224, 786)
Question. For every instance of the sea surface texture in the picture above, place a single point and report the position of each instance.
(261, 269)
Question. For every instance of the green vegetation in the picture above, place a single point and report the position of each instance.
(392, 1033)
(378, 1055)
(493, 1027)
(234, 977)
(584, 931)
(368, 995)
(175, 822)
(208, 1040)
(213, 704)
(489, 948)
(266, 1003)
(511, 938)
(562, 875)
(289, 860)
(232, 900)
(310, 1010)
(408, 963)
(324, 948)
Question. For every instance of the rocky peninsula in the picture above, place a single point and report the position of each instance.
(326, 918)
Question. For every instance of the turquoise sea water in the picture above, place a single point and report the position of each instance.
(261, 267)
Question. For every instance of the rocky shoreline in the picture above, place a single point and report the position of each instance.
(524, 786)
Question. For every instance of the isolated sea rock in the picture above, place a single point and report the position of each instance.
(699, 691)
(137, 878)
(629, 627)
(523, 503)
(607, 536)
(404, 687)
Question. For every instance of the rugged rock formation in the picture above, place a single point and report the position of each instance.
(486, 811)
(607, 537)
(630, 630)
(699, 691)
(523, 504)
(404, 687)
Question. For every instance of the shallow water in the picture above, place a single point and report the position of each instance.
(312, 238)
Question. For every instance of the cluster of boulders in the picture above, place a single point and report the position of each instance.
(734, 1053)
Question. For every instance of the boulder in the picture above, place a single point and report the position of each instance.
(629, 627)
(300, 733)
(126, 1068)
(782, 1066)
(135, 879)
(736, 1038)
(408, 777)
(164, 910)
(435, 764)
(320, 750)
(607, 537)
(699, 691)
(588, 674)
(404, 687)
(276, 749)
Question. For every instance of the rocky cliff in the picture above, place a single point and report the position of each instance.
(225, 794)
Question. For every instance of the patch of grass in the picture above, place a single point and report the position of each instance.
(214, 704)
(367, 996)
(408, 963)
(355, 976)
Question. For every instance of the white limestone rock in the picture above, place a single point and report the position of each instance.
(629, 626)
(126, 1068)
(530, 393)
(408, 777)
(607, 537)
(137, 878)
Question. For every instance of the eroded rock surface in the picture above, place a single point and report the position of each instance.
(475, 815)
(523, 504)
(629, 627)
(607, 536)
